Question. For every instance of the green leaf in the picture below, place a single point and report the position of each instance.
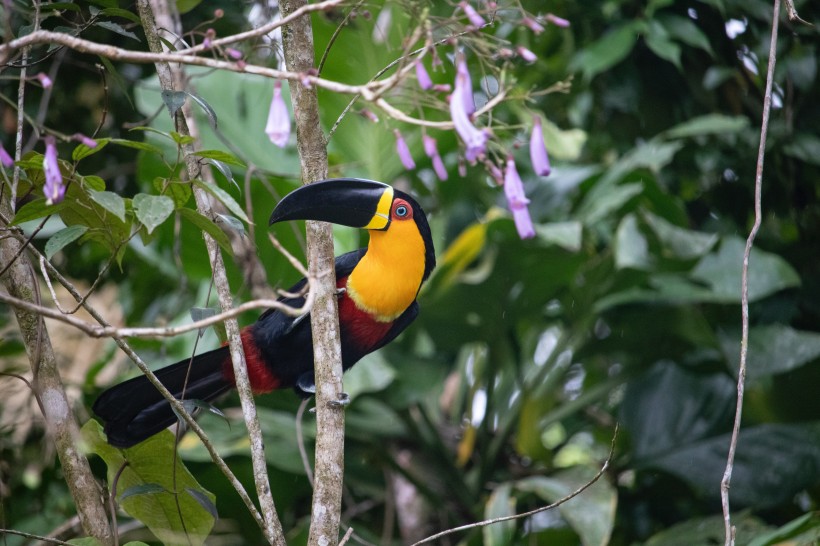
(219, 155)
(204, 501)
(721, 272)
(802, 530)
(62, 238)
(206, 225)
(631, 248)
(233, 223)
(680, 243)
(658, 41)
(206, 108)
(142, 489)
(192, 404)
(137, 145)
(709, 124)
(608, 51)
(178, 190)
(224, 197)
(773, 349)
(225, 170)
(563, 144)
(501, 503)
(591, 514)
(82, 151)
(87, 541)
(593, 210)
(110, 201)
(567, 235)
(114, 27)
(708, 531)
(174, 100)
(152, 210)
(789, 455)
(119, 12)
(685, 30)
(92, 182)
(805, 147)
(374, 375)
(182, 140)
(184, 6)
(152, 463)
(34, 210)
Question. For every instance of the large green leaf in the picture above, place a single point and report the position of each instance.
(152, 210)
(631, 248)
(678, 242)
(773, 463)
(62, 238)
(773, 349)
(708, 531)
(708, 124)
(721, 272)
(501, 503)
(609, 50)
(591, 514)
(181, 521)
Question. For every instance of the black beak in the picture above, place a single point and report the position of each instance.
(345, 201)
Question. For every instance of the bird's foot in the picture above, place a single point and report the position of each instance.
(340, 402)
(340, 291)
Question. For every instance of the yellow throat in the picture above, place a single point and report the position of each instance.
(387, 279)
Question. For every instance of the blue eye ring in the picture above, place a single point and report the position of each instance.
(402, 211)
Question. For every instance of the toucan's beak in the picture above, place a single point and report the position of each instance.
(345, 201)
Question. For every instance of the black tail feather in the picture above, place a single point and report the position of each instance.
(135, 410)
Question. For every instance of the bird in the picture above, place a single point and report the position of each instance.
(377, 289)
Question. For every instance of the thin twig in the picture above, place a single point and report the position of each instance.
(559, 502)
(35, 537)
(300, 440)
(346, 537)
(96, 331)
(729, 529)
(793, 16)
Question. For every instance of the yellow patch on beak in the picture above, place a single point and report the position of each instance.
(382, 216)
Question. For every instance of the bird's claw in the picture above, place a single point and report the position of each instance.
(340, 402)
(340, 291)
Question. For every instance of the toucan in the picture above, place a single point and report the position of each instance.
(377, 288)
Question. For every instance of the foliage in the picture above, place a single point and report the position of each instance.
(503, 395)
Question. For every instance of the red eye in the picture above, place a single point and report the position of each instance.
(402, 210)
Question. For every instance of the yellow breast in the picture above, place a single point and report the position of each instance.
(387, 279)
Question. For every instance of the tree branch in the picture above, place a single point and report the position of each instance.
(62, 427)
(297, 38)
(171, 79)
(729, 529)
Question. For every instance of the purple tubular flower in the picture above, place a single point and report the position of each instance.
(533, 25)
(430, 147)
(234, 53)
(517, 201)
(431, 150)
(45, 81)
(538, 150)
(464, 85)
(439, 168)
(557, 21)
(88, 141)
(54, 188)
(475, 19)
(526, 54)
(475, 139)
(403, 151)
(5, 159)
(278, 126)
(423, 77)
